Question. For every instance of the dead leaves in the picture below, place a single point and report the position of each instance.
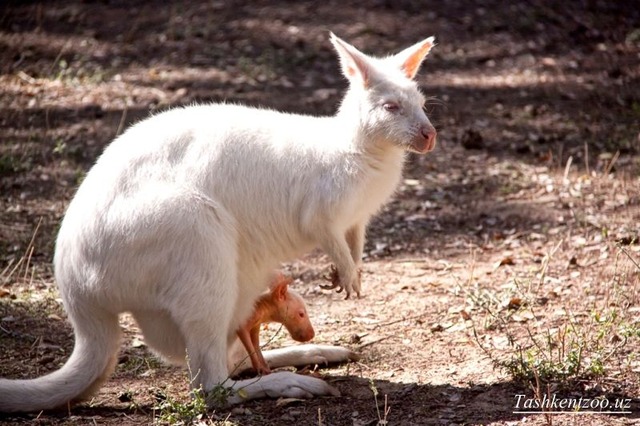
(508, 260)
(515, 303)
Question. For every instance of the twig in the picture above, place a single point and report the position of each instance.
(384, 324)
(586, 158)
(373, 342)
(612, 162)
(546, 260)
(3, 273)
(26, 77)
(55, 61)
(485, 350)
(122, 119)
(567, 168)
(623, 250)
(30, 248)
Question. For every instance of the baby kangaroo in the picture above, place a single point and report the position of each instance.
(281, 305)
(184, 217)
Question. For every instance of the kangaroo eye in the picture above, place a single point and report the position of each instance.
(391, 106)
(301, 314)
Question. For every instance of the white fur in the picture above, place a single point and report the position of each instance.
(184, 216)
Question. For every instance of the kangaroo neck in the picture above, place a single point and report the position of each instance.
(264, 311)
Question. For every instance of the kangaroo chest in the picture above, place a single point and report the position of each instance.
(379, 184)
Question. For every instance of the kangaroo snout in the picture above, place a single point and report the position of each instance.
(303, 334)
(425, 140)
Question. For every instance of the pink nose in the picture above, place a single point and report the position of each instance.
(429, 134)
(309, 335)
(303, 335)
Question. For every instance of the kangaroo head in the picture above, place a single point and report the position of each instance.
(297, 320)
(291, 310)
(388, 101)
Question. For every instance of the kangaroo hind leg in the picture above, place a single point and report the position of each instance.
(162, 335)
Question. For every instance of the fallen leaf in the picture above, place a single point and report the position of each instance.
(542, 300)
(287, 401)
(436, 328)
(521, 318)
(515, 303)
(508, 260)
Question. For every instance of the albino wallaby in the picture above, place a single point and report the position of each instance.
(282, 305)
(184, 216)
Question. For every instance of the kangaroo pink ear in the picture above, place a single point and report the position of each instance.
(411, 58)
(280, 289)
(354, 63)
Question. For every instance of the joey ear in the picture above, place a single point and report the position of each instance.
(280, 290)
(353, 62)
(411, 58)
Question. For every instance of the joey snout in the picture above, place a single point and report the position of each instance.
(302, 333)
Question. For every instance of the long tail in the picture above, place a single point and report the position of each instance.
(92, 361)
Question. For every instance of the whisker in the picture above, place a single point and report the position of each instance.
(432, 100)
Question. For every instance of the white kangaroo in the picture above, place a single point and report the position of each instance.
(184, 216)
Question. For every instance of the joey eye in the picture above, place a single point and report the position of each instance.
(391, 106)
(301, 314)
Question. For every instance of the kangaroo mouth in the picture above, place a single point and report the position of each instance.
(422, 146)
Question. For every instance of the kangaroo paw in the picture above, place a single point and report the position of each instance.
(334, 278)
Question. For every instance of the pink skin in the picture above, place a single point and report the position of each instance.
(279, 305)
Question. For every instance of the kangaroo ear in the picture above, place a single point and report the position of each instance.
(279, 291)
(354, 63)
(411, 58)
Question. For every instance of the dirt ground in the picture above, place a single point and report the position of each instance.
(507, 264)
